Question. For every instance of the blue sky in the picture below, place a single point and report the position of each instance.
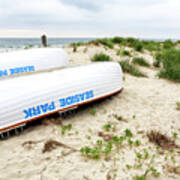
(88, 18)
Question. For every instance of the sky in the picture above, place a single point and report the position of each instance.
(90, 18)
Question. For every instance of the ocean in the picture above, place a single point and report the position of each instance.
(16, 43)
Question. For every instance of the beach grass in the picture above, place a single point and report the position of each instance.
(140, 61)
(171, 65)
(126, 53)
(101, 57)
(129, 68)
(106, 42)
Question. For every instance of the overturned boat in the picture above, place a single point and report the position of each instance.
(26, 98)
(31, 60)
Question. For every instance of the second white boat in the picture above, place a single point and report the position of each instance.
(32, 60)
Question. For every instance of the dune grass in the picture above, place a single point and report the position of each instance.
(138, 47)
(125, 53)
(101, 57)
(158, 59)
(171, 65)
(117, 40)
(106, 42)
(129, 68)
(140, 61)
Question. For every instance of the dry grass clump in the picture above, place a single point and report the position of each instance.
(52, 144)
(161, 140)
(173, 169)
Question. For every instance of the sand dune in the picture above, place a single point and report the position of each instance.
(145, 104)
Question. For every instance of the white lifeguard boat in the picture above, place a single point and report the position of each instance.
(26, 98)
(31, 60)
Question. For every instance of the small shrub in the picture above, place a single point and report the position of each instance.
(117, 40)
(128, 68)
(101, 57)
(107, 127)
(93, 153)
(126, 53)
(128, 166)
(66, 128)
(140, 61)
(137, 143)
(138, 47)
(155, 173)
(128, 133)
(134, 116)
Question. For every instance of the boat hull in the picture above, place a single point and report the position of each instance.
(30, 97)
(31, 60)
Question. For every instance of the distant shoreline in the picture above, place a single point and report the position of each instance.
(18, 43)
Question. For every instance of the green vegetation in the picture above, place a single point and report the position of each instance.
(117, 40)
(106, 42)
(101, 57)
(171, 65)
(66, 128)
(126, 53)
(109, 148)
(151, 45)
(140, 61)
(136, 44)
(140, 177)
(76, 45)
(178, 105)
(134, 116)
(93, 111)
(128, 68)
(166, 56)
(128, 133)
(107, 127)
(75, 48)
(175, 134)
(28, 46)
(158, 58)
(138, 47)
(137, 143)
(168, 44)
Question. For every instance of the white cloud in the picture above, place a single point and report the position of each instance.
(150, 18)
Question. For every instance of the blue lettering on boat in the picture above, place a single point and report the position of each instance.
(49, 107)
(76, 98)
(3, 73)
(17, 70)
(40, 109)
(20, 70)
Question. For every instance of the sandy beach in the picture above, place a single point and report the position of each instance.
(145, 104)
